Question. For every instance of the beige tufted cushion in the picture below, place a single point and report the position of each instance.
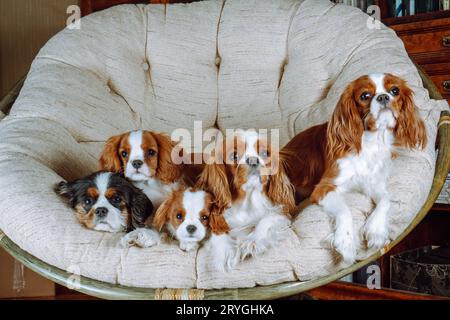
(232, 64)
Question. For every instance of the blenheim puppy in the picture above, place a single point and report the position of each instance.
(145, 158)
(105, 201)
(354, 151)
(189, 216)
(254, 195)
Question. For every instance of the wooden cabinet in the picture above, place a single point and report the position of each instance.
(427, 40)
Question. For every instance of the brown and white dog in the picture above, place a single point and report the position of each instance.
(250, 187)
(145, 158)
(354, 151)
(189, 216)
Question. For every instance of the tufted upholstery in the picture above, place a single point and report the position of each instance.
(229, 63)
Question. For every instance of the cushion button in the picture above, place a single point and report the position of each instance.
(218, 60)
(145, 66)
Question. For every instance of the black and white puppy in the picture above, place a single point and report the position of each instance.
(105, 201)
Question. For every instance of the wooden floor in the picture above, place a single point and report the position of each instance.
(332, 291)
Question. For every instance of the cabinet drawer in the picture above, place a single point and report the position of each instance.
(427, 42)
(426, 37)
(442, 82)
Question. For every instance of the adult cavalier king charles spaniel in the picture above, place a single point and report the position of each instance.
(353, 152)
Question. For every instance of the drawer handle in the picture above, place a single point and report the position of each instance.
(446, 85)
(446, 41)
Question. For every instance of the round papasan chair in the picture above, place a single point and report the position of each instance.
(230, 64)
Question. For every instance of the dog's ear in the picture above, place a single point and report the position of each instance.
(410, 129)
(162, 214)
(109, 158)
(141, 209)
(214, 180)
(280, 189)
(167, 171)
(345, 127)
(217, 223)
(66, 190)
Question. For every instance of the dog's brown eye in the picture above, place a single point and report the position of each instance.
(365, 96)
(117, 199)
(151, 153)
(264, 154)
(395, 91)
(124, 154)
(234, 156)
(179, 216)
(88, 201)
(205, 218)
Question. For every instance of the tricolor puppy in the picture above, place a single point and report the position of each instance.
(107, 202)
(144, 157)
(354, 151)
(188, 215)
(250, 187)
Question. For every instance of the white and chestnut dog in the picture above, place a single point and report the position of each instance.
(144, 157)
(354, 151)
(105, 201)
(188, 215)
(249, 184)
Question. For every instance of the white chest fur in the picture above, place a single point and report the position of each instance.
(245, 213)
(364, 170)
(156, 191)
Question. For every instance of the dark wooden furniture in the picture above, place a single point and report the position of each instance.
(427, 40)
(433, 230)
(350, 291)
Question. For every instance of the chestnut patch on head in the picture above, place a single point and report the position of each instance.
(363, 92)
(150, 149)
(92, 192)
(112, 156)
(171, 211)
(205, 213)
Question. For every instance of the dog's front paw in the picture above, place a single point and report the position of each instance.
(376, 232)
(129, 239)
(143, 238)
(228, 262)
(344, 243)
(225, 260)
(189, 246)
(252, 246)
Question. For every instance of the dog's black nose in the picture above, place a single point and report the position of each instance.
(191, 228)
(383, 98)
(101, 212)
(252, 161)
(137, 164)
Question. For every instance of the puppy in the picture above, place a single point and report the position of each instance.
(106, 202)
(354, 151)
(189, 216)
(145, 158)
(254, 194)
